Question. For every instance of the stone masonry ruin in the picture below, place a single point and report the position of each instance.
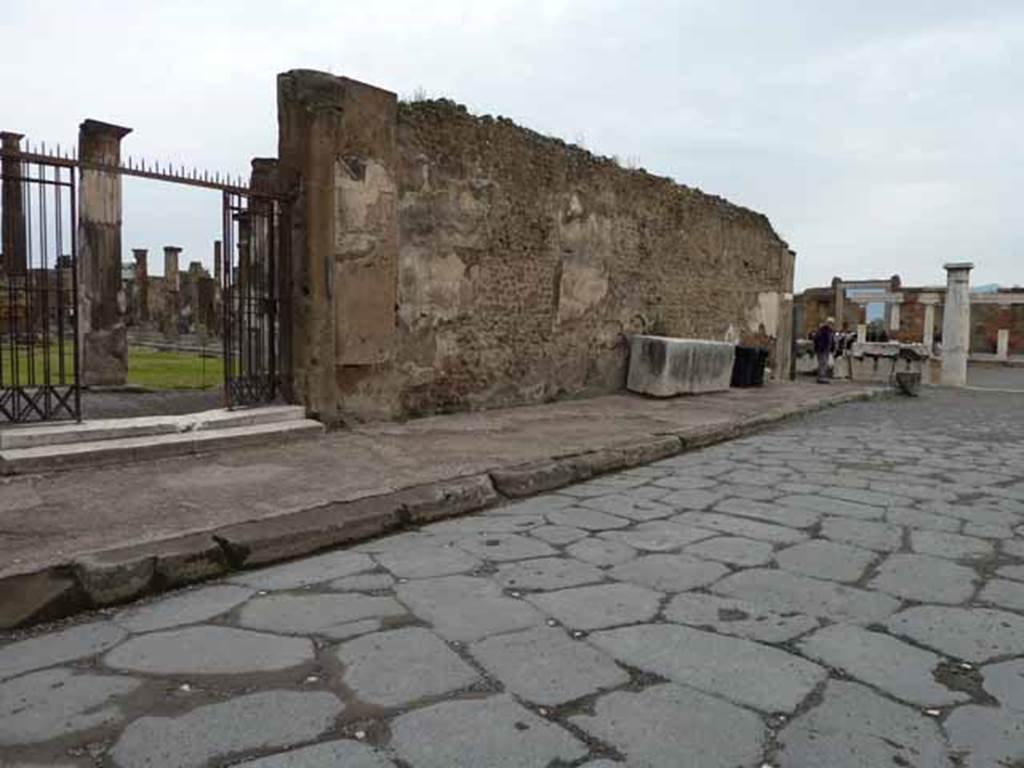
(441, 260)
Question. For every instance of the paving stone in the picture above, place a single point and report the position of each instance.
(949, 545)
(987, 530)
(352, 629)
(776, 514)
(495, 732)
(504, 547)
(881, 661)
(916, 518)
(208, 650)
(742, 671)
(364, 582)
(659, 536)
(824, 505)
(46, 705)
(695, 499)
(185, 608)
(545, 666)
(558, 534)
(669, 573)
(756, 478)
(343, 753)
(1013, 548)
(924, 579)
(587, 519)
(1004, 594)
(976, 634)
(783, 591)
(1005, 681)
(466, 608)
(737, 617)
(861, 496)
(538, 505)
(58, 647)
(601, 605)
(685, 482)
(629, 506)
(824, 559)
(485, 523)
(880, 537)
(307, 614)
(425, 562)
(735, 550)
(739, 526)
(1015, 572)
(392, 669)
(301, 573)
(601, 551)
(753, 492)
(209, 734)
(547, 573)
(669, 725)
(853, 727)
(989, 736)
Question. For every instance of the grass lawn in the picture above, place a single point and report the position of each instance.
(146, 368)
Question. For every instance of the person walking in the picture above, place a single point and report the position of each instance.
(823, 340)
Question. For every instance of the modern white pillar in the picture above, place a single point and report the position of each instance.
(956, 324)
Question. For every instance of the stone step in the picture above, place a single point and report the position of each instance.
(50, 458)
(40, 435)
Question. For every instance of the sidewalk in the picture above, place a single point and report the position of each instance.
(86, 538)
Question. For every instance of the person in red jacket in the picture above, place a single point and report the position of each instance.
(823, 340)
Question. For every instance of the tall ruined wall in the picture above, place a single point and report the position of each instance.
(469, 262)
(524, 261)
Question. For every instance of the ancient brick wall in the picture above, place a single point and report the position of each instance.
(470, 262)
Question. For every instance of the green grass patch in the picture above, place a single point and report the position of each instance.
(148, 368)
(155, 369)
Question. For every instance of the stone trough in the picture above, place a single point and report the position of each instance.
(663, 367)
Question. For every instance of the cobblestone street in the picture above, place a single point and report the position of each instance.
(847, 590)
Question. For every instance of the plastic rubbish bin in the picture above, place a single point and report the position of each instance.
(748, 368)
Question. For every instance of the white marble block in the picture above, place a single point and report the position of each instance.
(663, 367)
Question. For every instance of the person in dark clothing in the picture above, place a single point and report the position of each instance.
(823, 340)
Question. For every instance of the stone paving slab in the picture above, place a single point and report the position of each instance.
(496, 732)
(823, 559)
(744, 672)
(305, 614)
(737, 617)
(976, 634)
(599, 606)
(216, 731)
(669, 725)
(332, 754)
(57, 647)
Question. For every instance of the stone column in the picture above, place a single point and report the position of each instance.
(838, 301)
(172, 290)
(894, 317)
(862, 333)
(956, 324)
(929, 325)
(13, 225)
(1003, 344)
(338, 153)
(104, 340)
(141, 297)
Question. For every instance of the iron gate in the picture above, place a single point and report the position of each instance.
(38, 287)
(249, 283)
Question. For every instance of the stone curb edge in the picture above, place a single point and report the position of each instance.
(119, 575)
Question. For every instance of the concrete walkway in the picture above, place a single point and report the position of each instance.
(245, 503)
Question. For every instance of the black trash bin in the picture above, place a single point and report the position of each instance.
(748, 367)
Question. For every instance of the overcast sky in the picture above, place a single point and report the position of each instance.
(879, 136)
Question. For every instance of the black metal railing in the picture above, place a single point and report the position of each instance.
(39, 356)
(249, 279)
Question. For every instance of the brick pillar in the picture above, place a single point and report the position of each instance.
(172, 290)
(956, 324)
(12, 245)
(141, 298)
(338, 154)
(104, 341)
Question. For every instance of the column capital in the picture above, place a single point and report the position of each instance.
(99, 128)
(10, 138)
(959, 266)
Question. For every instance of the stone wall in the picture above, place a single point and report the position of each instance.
(469, 262)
